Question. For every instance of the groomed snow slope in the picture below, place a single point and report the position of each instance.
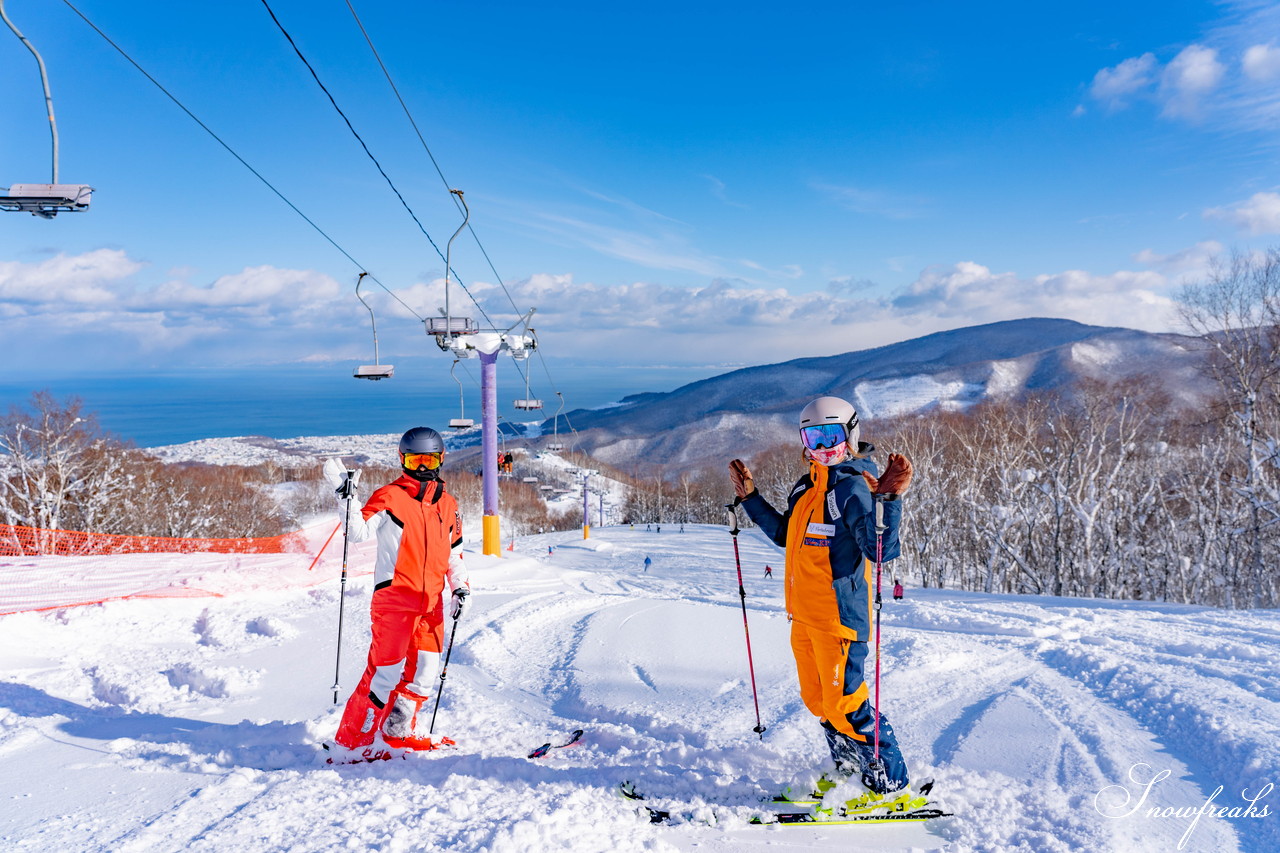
(192, 724)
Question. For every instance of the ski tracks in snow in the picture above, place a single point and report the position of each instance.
(192, 724)
(1063, 699)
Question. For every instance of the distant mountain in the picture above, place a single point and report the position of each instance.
(727, 414)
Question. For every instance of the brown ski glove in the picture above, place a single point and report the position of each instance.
(896, 477)
(740, 474)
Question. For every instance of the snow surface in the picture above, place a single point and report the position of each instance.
(192, 723)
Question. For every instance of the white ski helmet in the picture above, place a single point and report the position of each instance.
(832, 410)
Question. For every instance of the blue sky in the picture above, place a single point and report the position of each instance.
(731, 183)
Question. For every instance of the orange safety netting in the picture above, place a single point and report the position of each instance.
(51, 569)
(33, 542)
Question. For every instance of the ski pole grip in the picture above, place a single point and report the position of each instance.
(732, 509)
(879, 502)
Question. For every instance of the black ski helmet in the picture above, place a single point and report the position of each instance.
(421, 440)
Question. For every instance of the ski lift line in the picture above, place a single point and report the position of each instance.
(235, 154)
(44, 80)
(457, 201)
(369, 153)
(552, 383)
(386, 73)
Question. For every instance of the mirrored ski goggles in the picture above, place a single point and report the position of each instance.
(823, 436)
(430, 461)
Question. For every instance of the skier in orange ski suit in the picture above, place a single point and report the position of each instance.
(419, 534)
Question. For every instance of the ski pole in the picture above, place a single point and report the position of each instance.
(880, 529)
(443, 671)
(742, 595)
(348, 492)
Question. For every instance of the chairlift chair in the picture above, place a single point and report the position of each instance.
(44, 200)
(555, 446)
(528, 403)
(377, 370)
(462, 421)
(528, 479)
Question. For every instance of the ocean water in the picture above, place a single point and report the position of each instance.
(153, 409)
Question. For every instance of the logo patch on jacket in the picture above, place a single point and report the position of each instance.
(800, 487)
(832, 509)
(817, 542)
(816, 529)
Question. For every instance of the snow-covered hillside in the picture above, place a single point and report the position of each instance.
(192, 724)
(948, 371)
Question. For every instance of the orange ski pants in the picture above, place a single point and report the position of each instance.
(404, 623)
(823, 665)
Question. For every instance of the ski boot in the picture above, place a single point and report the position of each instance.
(336, 753)
(400, 728)
(872, 803)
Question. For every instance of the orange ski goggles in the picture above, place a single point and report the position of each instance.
(414, 461)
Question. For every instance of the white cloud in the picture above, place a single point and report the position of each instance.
(1115, 86)
(267, 314)
(1188, 78)
(262, 289)
(1259, 215)
(94, 278)
(1261, 62)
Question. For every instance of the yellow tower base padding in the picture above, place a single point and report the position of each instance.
(586, 531)
(492, 539)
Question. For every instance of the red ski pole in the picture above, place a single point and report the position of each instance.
(880, 529)
(742, 595)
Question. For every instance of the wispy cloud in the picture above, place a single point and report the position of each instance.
(661, 252)
(1184, 264)
(875, 202)
(718, 190)
(1229, 79)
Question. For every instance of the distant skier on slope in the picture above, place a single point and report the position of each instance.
(829, 534)
(419, 534)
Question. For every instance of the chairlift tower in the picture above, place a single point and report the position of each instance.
(462, 338)
(44, 200)
(586, 520)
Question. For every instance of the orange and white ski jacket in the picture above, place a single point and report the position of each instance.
(419, 534)
(829, 533)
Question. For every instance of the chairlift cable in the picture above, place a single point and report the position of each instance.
(369, 153)
(236, 155)
(439, 171)
(386, 73)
